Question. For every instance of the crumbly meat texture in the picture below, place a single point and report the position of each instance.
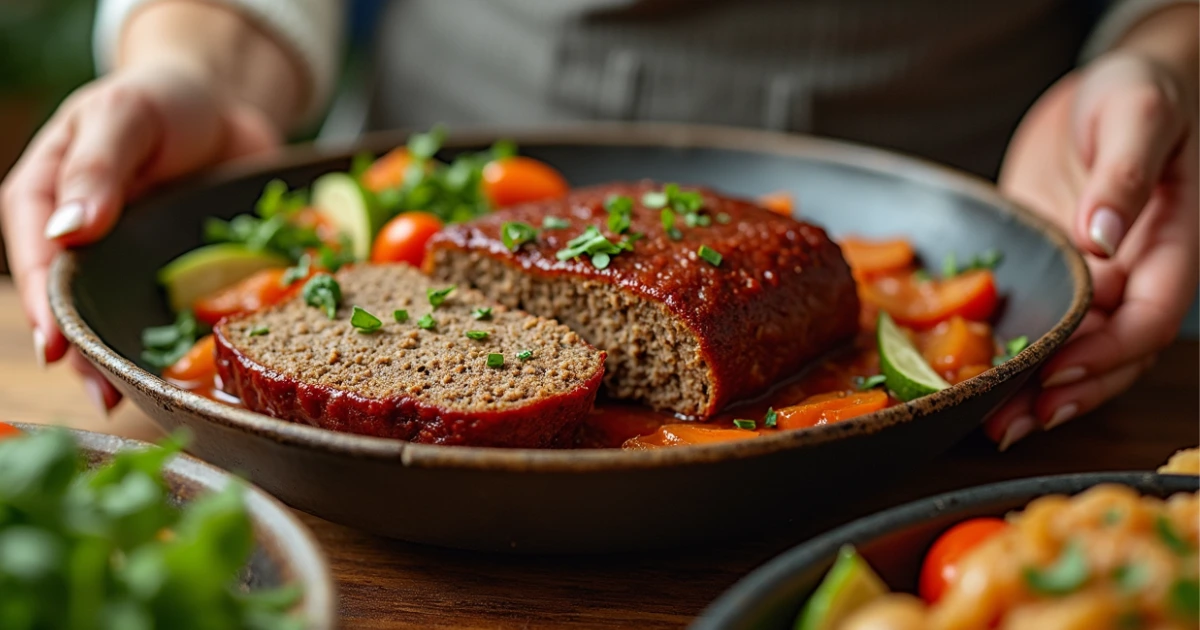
(405, 382)
(681, 334)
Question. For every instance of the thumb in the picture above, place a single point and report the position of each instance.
(1128, 140)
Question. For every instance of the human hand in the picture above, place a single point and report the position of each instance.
(1110, 154)
(108, 142)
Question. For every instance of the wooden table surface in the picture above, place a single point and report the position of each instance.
(388, 584)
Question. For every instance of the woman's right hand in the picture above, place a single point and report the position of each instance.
(110, 140)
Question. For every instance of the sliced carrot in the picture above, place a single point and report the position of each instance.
(8, 431)
(829, 408)
(868, 258)
(778, 202)
(199, 364)
(685, 434)
(957, 343)
(924, 303)
(258, 291)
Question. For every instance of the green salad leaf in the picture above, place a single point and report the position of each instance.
(164, 345)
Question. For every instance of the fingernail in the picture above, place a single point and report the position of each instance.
(1061, 415)
(95, 393)
(1065, 376)
(66, 219)
(1106, 230)
(39, 348)
(1016, 431)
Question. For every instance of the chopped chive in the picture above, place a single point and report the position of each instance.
(438, 296)
(525, 355)
(400, 315)
(771, 418)
(1171, 538)
(515, 234)
(723, 218)
(667, 216)
(694, 219)
(364, 321)
(654, 200)
(710, 255)
(482, 313)
(477, 334)
(620, 213)
(495, 360)
(427, 322)
(747, 425)
(869, 382)
(259, 331)
(1065, 576)
(555, 223)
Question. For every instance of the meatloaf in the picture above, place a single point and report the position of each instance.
(683, 332)
(432, 385)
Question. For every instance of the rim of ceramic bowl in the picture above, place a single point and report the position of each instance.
(304, 563)
(78, 332)
(745, 596)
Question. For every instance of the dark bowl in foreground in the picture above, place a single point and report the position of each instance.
(285, 551)
(590, 500)
(894, 542)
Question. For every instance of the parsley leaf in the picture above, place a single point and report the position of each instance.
(525, 355)
(299, 272)
(482, 313)
(515, 234)
(495, 360)
(322, 291)
(620, 213)
(164, 345)
(363, 321)
(438, 296)
(869, 382)
(400, 315)
(771, 419)
(427, 322)
(477, 335)
(555, 223)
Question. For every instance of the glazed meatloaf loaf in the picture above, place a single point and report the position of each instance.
(701, 301)
(464, 375)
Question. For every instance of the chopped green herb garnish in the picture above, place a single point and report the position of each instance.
(278, 199)
(400, 315)
(259, 331)
(515, 234)
(503, 149)
(595, 245)
(482, 313)
(710, 255)
(723, 218)
(1171, 538)
(299, 272)
(477, 334)
(950, 265)
(424, 145)
(1130, 578)
(1185, 599)
(989, 259)
(654, 199)
(363, 321)
(495, 360)
(693, 219)
(771, 418)
(748, 425)
(1012, 348)
(870, 382)
(555, 223)
(164, 345)
(438, 296)
(668, 222)
(322, 291)
(331, 259)
(1065, 576)
(620, 213)
(525, 355)
(426, 322)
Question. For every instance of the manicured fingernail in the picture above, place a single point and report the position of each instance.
(1065, 376)
(39, 347)
(1061, 415)
(95, 393)
(1106, 230)
(66, 219)
(1016, 431)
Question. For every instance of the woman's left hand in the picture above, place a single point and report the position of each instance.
(1110, 154)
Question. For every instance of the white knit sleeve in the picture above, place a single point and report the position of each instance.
(1116, 21)
(312, 29)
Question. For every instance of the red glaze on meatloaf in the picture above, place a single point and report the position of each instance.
(681, 334)
(401, 381)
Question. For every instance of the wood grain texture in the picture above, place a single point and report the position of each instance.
(388, 584)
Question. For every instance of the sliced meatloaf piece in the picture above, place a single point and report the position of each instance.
(681, 333)
(402, 381)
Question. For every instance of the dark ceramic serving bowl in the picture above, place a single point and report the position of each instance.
(894, 542)
(285, 551)
(589, 500)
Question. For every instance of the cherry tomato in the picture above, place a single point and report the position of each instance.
(924, 303)
(777, 202)
(940, 569)
(830, 408)
(8, 431)
(199, 364)
(403, 238)
(388, 171)
(516, 179)
(259, 290)
(868, 258)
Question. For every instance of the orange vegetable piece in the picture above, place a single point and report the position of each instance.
(257, 291)
(868, 258)
(310, 218)
(829, 408)
(388, 171)
(957, 343)
(686, 434)
(199, 364)
(778, 202)
(518, 179)
(8, 431)
(968, 372)
(923, 304)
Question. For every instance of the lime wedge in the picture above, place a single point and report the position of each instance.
(849, 585)
(208, 269)
(350, 208)
(908, 375)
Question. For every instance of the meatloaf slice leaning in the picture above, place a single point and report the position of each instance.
(403, 381)
(681, 333)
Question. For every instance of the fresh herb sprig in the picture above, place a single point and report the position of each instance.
(164, 345)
